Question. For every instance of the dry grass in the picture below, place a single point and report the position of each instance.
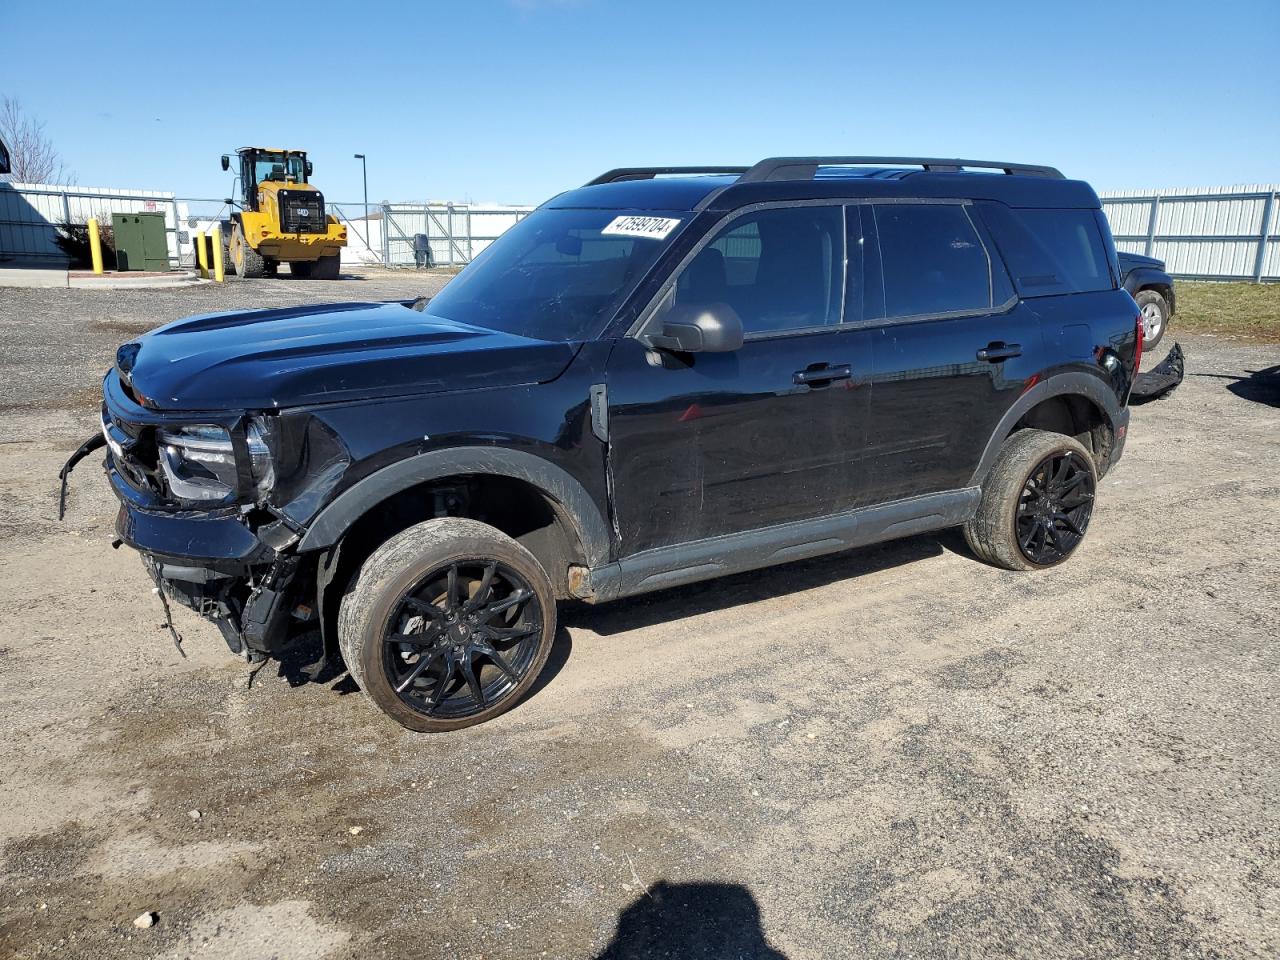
(1239, 311)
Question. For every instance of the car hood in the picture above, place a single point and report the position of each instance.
(263, 359)
(1131, 261)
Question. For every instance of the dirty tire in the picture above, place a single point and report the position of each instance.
(249, 266)
(392, 571)
(1155, 313)
(327, 268)
(991, 533)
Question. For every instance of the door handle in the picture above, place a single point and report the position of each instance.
(820, 374)
(999, 350)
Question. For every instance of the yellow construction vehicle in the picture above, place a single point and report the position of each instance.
(281, 218)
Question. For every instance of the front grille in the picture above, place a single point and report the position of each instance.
(301, 211)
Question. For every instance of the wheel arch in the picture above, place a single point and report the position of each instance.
(574, 508)
(1074, 404)
(1161, 283)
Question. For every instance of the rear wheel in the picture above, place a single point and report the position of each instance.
(1036, 502)
(1155, 316)
(326, 268)
(448, 624)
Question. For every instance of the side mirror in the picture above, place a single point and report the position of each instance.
(703, 328)
(308, 168)
(229, 202)
(226, 162)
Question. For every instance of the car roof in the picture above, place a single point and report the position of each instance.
(722, 192)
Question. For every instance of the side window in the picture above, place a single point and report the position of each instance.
(780, 269)
(932, 260)
(1050, 252)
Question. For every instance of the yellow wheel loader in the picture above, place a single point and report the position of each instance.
(281, 218)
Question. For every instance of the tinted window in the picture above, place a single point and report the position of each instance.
(932, 260)
(1050, 251)
(780, 269)
(555, 275)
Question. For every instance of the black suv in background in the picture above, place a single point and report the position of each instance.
(667, 375)
(1148, 281)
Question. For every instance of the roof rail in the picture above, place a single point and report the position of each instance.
(805, 168)
(648, 173)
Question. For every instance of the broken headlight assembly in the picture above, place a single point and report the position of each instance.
(199, 461)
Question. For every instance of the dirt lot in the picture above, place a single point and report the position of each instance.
(897, 752)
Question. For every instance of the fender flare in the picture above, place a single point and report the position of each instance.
(570, 498)
(1088, 386)
(1140, 278)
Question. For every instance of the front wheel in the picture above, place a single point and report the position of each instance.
(1036, 502)
(248, 264)
(1155, 316)
(448, 625)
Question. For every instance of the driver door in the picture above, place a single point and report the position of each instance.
(707, 444)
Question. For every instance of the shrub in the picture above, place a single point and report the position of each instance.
(73, 240)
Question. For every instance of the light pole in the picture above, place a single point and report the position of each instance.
(364, 170)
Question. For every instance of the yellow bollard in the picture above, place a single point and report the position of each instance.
(202, 256)
(218, 270)
(95, 245)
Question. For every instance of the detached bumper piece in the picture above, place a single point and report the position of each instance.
(86, 448)
(1160, 380)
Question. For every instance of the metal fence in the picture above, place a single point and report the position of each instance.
(383, 234)
(1212, 233)
(1222, 233)
(456, 233)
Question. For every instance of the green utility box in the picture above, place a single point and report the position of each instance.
(140, 239)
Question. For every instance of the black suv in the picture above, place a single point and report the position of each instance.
(1147, 279)
(667, 375)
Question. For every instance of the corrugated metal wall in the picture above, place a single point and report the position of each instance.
(30, 212)
(1206, 233)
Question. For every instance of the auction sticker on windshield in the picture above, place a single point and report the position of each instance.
(651, 228)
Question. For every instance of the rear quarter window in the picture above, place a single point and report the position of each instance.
(932, 260)
(1050, 252)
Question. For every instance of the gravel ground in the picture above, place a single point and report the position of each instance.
(895, 752)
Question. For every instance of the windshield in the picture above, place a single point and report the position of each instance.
(278, 166)
(558, 274)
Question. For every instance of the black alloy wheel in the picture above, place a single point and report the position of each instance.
(1054, 508)
(462, 638)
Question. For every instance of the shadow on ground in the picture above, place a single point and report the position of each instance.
(302, 662)
(1260, 386)
(692, 921)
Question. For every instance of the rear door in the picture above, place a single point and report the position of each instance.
(952, 348)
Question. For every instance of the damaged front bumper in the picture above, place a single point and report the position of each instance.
(234, 563)
(218, 567)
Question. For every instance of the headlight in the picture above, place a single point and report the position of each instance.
(200, 464)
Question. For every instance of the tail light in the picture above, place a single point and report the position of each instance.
(1140, 339)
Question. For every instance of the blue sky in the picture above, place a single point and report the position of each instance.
(515, 100)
